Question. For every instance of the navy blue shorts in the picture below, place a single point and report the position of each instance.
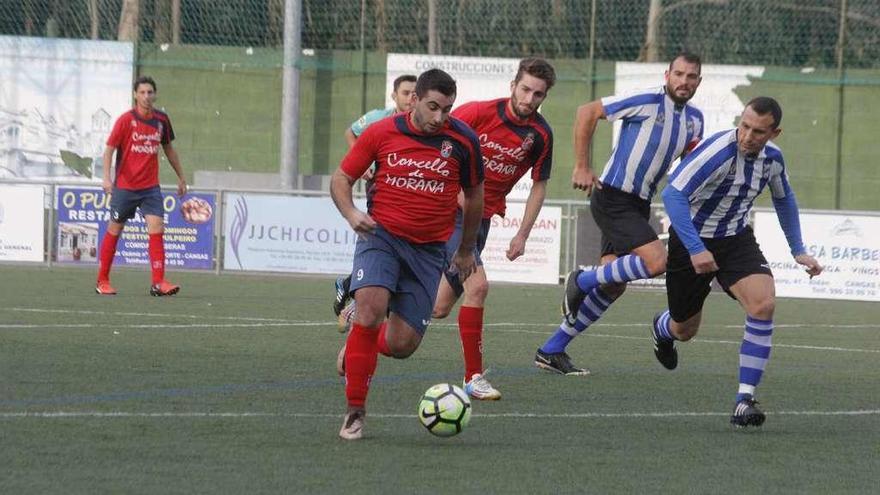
(124, 203)
(452, 247)
(411, 272)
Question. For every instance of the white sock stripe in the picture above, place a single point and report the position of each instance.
(597, 300)
(752, 362)
(602, 300)
(664, 319)
(745, 388)
(595, 309)
(630, 274)
(639, 266)
(759, 325)
(568, 329)
(615, 271)
(762, 340)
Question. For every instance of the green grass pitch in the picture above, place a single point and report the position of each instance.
(230, 387)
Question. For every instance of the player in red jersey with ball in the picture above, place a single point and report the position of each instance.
(423, 159)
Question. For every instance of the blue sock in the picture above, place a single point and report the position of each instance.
(661, 329)
(594, 305)
(623, 269)
(753, 355)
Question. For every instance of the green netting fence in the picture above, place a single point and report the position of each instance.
(218, 63)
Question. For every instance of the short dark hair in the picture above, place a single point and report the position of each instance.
(763, 105)
(536, 67)
(689, 57)
(144, 80)
(402, 79)
(435, 80)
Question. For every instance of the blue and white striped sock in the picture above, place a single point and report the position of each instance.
(624, 269)
(594, 305)
(753, 355)
(661, 329)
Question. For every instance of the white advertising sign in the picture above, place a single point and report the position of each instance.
(540, 263)
(59, 99)
(286, 234)
(715, 97)
(476, 78)
(21, 223)
(848, 246)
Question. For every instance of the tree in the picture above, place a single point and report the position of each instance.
(128, 20)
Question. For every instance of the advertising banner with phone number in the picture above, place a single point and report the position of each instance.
(189, 229)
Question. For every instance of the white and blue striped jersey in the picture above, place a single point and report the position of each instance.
(654, 132)
(721, 183)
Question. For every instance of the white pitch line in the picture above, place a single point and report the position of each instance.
(513, 415)
(548, 326)
(25, 326)
(152, 315)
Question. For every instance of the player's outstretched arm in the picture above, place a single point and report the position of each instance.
(174, 160)
(586, 119)
(533, 206)
(340, 190)
(107, 160)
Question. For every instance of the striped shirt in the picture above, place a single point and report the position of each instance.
(655, 132)
(721, 183)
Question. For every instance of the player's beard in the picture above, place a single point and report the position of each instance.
(677, 99)
(514, 104)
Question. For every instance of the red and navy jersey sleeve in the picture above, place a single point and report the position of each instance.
(166, 129)
(470, 113)
(543, 150)
(470, 157)
(119, 135)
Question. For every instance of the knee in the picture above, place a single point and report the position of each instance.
(764, 309)
(369, 316)
(441, 312)
(402, 349)
(613, 291)
(478, 291)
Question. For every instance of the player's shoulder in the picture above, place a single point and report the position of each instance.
(773, 152)
(388, 124)
(538, 120)
(635, 97)
(161, 115)
(720, 145)
(377, 114)
(459, 126)
(693, 110)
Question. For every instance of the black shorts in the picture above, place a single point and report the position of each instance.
(737, 257)
(623, 219)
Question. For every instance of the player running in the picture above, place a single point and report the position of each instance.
(425, 158)
(658, 126)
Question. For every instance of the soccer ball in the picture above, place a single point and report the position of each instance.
(445, 410)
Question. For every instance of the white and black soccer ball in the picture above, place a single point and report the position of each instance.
(445, 410)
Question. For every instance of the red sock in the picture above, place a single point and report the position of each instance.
(381, 342)
(360, 363)
(157, 258)
(108, 251)
(470, 327)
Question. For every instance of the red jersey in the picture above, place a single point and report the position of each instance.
(137, 141)
(418, 176)
(510, 147)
